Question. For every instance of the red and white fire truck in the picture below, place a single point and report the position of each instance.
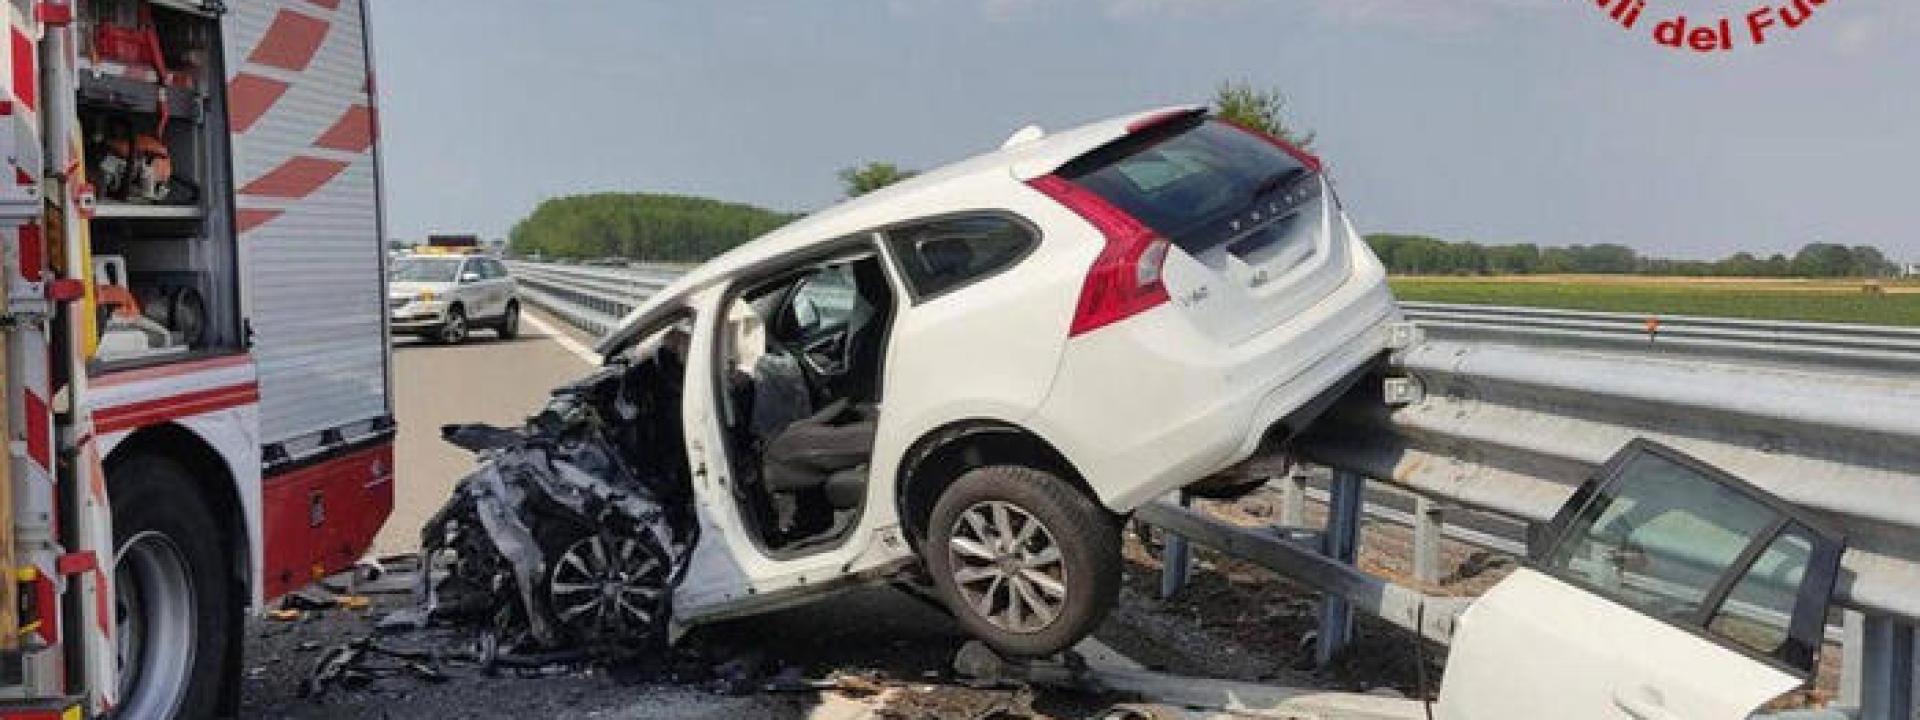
(197, 364)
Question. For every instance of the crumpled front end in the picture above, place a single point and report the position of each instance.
(560, 539)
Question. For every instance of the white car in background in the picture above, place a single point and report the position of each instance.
(986, 367)
(444, 297)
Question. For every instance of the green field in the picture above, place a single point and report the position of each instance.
(1812, 300)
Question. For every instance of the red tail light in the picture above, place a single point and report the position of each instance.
(1125, 278)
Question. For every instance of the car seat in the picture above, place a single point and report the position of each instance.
(781, 396)
(817, 452)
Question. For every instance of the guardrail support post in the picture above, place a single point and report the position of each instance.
(1852, 639)
(1293, 498)
(1884, 679)
(1176, 559)
(1429, 521)
(1341, 542)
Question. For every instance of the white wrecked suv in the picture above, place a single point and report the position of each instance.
(977, 372)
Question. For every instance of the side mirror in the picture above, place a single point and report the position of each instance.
(469, 277)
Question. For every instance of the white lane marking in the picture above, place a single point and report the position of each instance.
(566, 341)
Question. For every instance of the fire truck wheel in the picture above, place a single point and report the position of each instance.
(173, 617)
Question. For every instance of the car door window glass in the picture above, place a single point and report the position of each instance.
(1758, 611)
(1659, 537)
(940, 255)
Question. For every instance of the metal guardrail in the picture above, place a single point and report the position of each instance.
(1823, 346)
(1506, 410)
(1509, 409)
(1429, 616)
(593, 299)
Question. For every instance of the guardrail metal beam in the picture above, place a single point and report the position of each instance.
(1430, 617)
(1513, 429)
(591, 299)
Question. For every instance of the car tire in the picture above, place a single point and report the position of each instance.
(174, 611)
(509, 327)
(454, 331)
(1025, 591)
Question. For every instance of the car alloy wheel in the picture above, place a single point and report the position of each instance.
(607, 586)
(1007, 567)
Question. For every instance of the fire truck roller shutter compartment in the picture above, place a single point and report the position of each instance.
(305, 172)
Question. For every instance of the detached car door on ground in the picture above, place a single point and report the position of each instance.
(1664, 589)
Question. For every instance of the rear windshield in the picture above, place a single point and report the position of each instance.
(1198, 182)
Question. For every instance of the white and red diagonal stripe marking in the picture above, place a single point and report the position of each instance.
(274, 65)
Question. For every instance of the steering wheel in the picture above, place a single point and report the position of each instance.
(826, 355)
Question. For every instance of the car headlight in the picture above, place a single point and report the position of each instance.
(426, 296)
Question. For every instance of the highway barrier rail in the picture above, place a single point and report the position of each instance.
(592, 299)
(1506, 410)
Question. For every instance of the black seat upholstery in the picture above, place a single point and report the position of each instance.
(811, 452)
(847, 488)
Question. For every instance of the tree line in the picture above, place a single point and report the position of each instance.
(640, 226)
(1423, 255)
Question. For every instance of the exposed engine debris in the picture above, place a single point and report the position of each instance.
(572, 532)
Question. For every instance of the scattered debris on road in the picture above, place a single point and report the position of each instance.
(874, 653)
(762, 668)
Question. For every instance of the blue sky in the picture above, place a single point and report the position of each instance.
(1492, 120)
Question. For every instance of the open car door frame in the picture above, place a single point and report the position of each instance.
(1664, 589)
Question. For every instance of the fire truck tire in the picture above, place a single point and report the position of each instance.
(174, 619)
